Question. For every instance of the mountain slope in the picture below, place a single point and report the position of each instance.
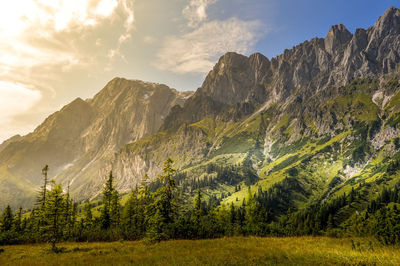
(75, 140)
(312, 124)
(322, 113)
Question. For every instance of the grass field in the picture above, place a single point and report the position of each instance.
(225, 251)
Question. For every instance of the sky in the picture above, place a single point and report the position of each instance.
(53, 51)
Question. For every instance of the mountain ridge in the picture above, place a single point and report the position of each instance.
(267, 115)
(84, 132)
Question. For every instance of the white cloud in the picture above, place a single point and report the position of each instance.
(44, 41)
(124, 37)
(15, 99)
(149, 39)
(197, 51)
(47, 21)
(195, 11)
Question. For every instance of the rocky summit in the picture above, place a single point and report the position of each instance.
(324, 113)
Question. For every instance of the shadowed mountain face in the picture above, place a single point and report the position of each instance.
(340, 92)
(74, 140)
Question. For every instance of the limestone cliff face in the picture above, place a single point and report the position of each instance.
(305, 69)
(300, 83)
(75, 140)
(185, 146)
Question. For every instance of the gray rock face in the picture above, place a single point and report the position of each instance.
(308, 67)
(337, 37)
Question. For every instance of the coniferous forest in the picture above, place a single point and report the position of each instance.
(156, 213)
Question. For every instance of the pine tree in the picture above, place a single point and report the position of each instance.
(38, 218)
(132, 217)
(115, 209)
(107, 198)
(41, 199)
(68, 213)
(198, 214)
(164, 207)
(253, 213)
(6, 219)
(18, 221)
(88, 217)
(54, 212)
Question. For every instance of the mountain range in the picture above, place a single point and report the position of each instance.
(325, 113)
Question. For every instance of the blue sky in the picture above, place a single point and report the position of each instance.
(52, 52)
(300, 20)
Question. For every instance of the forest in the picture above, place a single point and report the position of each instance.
(156, 213)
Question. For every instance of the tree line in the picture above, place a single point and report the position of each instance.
(159, 214)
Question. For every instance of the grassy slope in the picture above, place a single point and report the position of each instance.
(317, 160)
(226, 251)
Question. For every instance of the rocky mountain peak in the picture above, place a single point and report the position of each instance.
(337, 37)
(230, 79)
(387, 24)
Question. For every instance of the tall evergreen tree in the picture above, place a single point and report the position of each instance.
(88, 216)
(6, 219)
(115, 209)
(41, 199)
(198, 214)
(164, 207)
(18, 220)
(107, 199)
(54, 212)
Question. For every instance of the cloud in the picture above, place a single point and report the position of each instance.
(149, 39)
(195, 11)
(44, 41)
(15, 99)
(197, 51)
(48, 31)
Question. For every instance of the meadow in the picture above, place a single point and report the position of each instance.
(223, 251)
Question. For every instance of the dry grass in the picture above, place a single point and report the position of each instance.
(225, 251)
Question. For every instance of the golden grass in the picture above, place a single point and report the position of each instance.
(224, 251)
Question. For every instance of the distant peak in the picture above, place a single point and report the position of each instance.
(229, 56)
(391, 14)
(338, 30)
(78, 100)
(388, 23)
(258, 56)
(337, 36)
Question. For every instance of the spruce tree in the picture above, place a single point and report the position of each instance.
(107, 199)
(88, 216)
(6, 219)
(18, 220)
(164, 207)
(54, 212)
(68, 213)
(132, 216)
(198, 213)
(41, 199)
(115, 209)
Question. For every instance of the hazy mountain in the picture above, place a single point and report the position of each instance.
(325, 112)
(75, 140)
